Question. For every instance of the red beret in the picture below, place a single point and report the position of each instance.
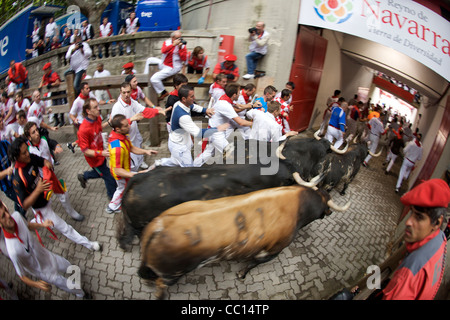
(230, 57)
(431, 193)
(48, 65)
(128, 65)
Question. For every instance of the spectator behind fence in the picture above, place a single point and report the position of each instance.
(106, 30)
(78, 54)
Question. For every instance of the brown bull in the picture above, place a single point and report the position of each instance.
(254, 227)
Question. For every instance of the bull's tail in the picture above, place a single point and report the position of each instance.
(144, 271)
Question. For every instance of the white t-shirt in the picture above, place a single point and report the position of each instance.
(223, 113)
(265, 127)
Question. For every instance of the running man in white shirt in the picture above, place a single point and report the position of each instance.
(265, 127)
(128, 107)
(223, 113)
(183, 127)
(411, 154)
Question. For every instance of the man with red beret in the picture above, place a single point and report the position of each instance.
(420, 274)
(128, 68)
(51, 79)
(227, 67)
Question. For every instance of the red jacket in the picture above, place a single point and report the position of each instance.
(168, 51)
(20, 73)
(420, 274)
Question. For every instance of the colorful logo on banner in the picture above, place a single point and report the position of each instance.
(334, 11)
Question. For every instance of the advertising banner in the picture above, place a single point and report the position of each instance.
(13, 40)
(403, 25)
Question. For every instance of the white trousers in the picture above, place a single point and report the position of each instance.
(180, 155)
(116, 201)
(405, 170)
(391, 159)
(136, 159)
(374, 139)
(47, 213)
(333, 133)
(65, 202)
(165, 72)
(217, 141)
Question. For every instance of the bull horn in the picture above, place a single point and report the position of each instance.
(355, 140)
(375, 154)
(279, 150)
(339, 208)
(316, 135)
(336, 207)
(314, 181)
(339, 151)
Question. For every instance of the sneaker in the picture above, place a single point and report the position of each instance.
(111, 211)
(396, 190)
(248, 76)
(144, 166)
(82, 180)
(70, 147)
(76, 216)
(96, 246)
(364, 164)
(386, 172)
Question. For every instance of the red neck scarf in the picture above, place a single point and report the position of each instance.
(13, 235)
(83, 97)
(246, 97)
(226, 98)
(216, 86)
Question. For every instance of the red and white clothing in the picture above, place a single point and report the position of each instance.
(283, 118)
(264, 127)
(131, 25)
(223, 113)
(77, 106)
(6, 107)
(37, 110)
(106, 30)
(412, 153)
(23, 105)
(137, 94)
(30, 258)
(169, 64)
(216, 91)
(420, 274)
(196, 63)
(129, 110)
(42, 150)
(376, 130)
(242, 99)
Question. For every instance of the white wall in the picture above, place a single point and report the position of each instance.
(235, 17)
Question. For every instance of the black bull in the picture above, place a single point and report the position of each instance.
(149, 194)
(342, 168)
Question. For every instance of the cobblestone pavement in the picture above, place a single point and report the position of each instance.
(325, 256)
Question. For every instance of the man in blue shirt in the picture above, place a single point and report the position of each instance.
(336, 126)
(269, 94)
